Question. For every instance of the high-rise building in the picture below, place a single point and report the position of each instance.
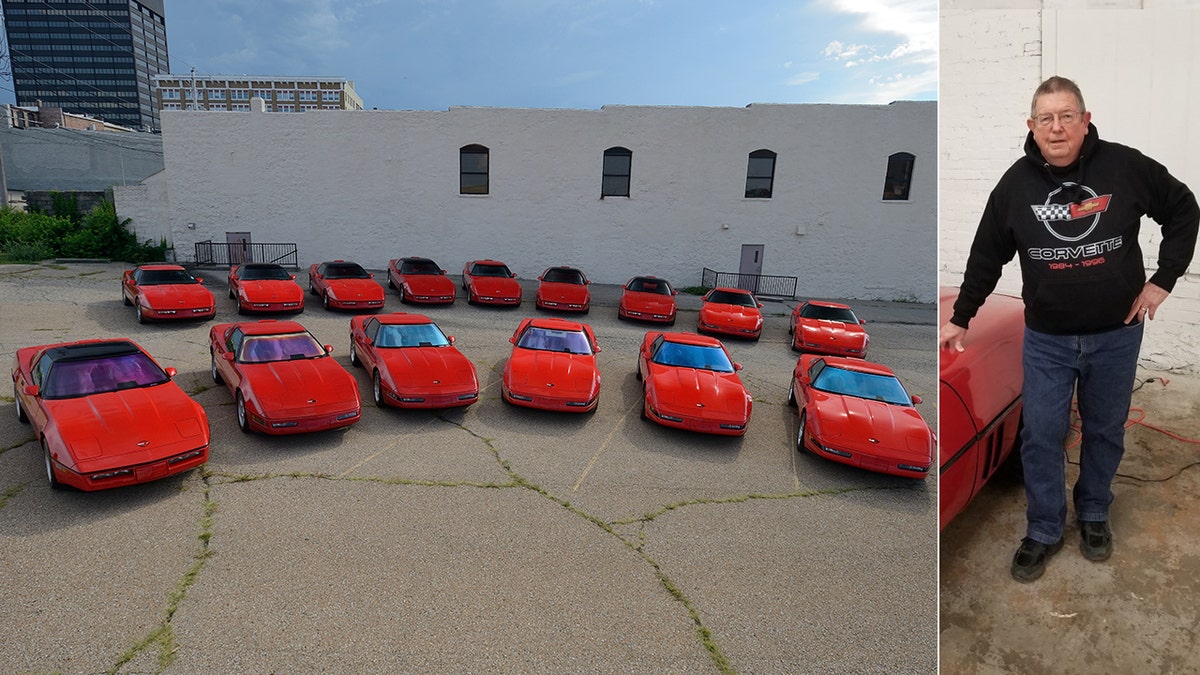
(92, 57)
(233, 93)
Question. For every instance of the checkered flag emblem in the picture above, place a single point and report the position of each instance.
(1047, 212)
(1063, 212)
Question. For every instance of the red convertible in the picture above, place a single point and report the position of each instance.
(106, 414)
(689, 382)
(420, 280)
(563, 288)
(648, 299)
(730, 311)
(828, 328)
(856, 412)
(412, 363)
(344, 285)
(282, 380)
(166, 292)
(553, 366)
(979, 412)
(265, 287)
(490, 282)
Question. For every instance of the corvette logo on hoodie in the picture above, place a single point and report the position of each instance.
(1051, 212)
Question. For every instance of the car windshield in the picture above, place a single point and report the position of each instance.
(283, 347)
(861, 385)
(419, 267)
(345, 271)
(157, 277)
(410, 335)
(693, 356)
(551, 340)
(841, 314)
(561, 276)
(490, 270)
(657, 286)
(70, 379)
(731, 298)
(263, 273)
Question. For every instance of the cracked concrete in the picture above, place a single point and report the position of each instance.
(485, 539)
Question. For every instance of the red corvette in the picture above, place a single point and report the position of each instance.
(828, 328)
(344, 285)
(490, 282)
(979, 412)
(553, 366)
(856, 412)
(166, 292)
(690, 383)
(730, 311)
(412, 363)
(265, 287)
(282, 380)
(563, 288)
(106, 414)
(420, 280)
(648, 299)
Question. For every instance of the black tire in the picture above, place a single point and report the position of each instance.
(231, 295)
(643, 406)
(21, 416)
(404, 299)
(125, 298)
(391, 284)
(792, 394)
(325, 302)
(141, 318)
(312, 289)
(50, 477)
(354, 361)
(241, 310)
(377, 390)
(243, 418)
(216, 375)
(800, 433)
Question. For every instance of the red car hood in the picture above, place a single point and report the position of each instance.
(495, 285)
(169, 296)
(695, 390)
(571, 374)
(104, 431)
(742, 317)
(899, 430)
(428, 367)
(272, 290)
(560, 292)
(429, 284)
(301, 385)
(822, 331)
(649, 302)
(356, 289)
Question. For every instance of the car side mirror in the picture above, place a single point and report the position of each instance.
(737, 367)
(328, 349)
(443, 271)
(598, 350)
(171, 372)
(233, 277)
(31, 390)
(319, 276)
(228, 356)
(199, 280)
(371, 275)
(293, 276)
(512, 275)
(917, 400)
(368, 341)
(539, 277)
(674, 292)
(450, 338)
(862, 322)
(513, 339)
(760, 305)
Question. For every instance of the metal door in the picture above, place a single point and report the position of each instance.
(751, 267)
(239, 247)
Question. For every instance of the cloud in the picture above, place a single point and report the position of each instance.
(801, 78)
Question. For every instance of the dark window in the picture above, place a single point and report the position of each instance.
(617, 163)
(473, 170)
(760, 174)
(899, 176)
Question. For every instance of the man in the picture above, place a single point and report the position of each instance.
(1070, 210)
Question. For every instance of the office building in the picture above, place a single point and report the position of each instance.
(233, 93)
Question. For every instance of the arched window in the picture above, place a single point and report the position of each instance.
(473, 170)
(617, 164)
(899, 176)
(760, 174)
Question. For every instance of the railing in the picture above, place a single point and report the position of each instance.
(227, 254)
(759, 284)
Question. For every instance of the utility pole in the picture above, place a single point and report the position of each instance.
(192, 105)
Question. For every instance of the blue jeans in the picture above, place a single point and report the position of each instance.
(1099, 370)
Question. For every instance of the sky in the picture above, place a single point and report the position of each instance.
(583, 54)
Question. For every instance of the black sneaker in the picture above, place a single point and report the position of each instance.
(1095, 540)
(1031, 558)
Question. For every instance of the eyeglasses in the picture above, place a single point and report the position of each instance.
(1066, 118)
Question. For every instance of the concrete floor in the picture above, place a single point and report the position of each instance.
(1138, 612)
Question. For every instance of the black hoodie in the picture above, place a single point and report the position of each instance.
(1076, 231)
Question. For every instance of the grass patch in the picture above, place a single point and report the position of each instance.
(695, 290)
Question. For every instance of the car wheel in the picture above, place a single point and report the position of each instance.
(637, 372)
(21, 416)
(325, 301)
(377, 390)
(643, 411)
(140, 317)
(312, 290)
(800, 433)
(391, 284)
(243, 418)
(404, 299)
(792, 394)
(231, 295)
(216, 375)
(50, 477)
(241, 310)
(585, 310)
(354, 354)
(125, 298)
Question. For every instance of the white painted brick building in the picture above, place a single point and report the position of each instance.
(373, 185)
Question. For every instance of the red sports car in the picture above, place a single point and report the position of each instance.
(689, 382)
(265, 287)
(730, 311)
(553, 366)
(344, 285)
(282, 380)
(563, 288)
(648, 299)
(856, 412)
(420, 280)
(490, 282)
(166, 292)
(106, 414)
(979, 412)
(412, 363)
(828, 328)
